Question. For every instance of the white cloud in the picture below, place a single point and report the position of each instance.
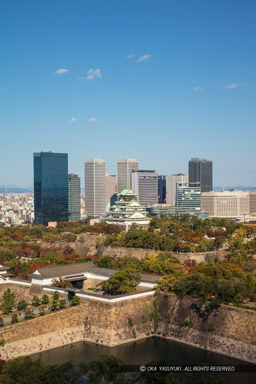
(61, 71)
(143, 58)
(198, 89)
(72, 120)
(92, 120)
(235, 85)
(93, 73)
(129, 56)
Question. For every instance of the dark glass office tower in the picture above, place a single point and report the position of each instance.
(161, 189)
(200, 171)
(50, 187)
(74, 191)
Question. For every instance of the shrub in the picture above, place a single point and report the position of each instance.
(54, 305)
(22, 305)
(75, 301)
(36, 301)
(188, 323)
(56, 295)
(45, 299)
(130, 322)
(14, 318)
(28, 315)
(62, 303)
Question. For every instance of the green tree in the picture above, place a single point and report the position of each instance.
(6, 254)
(75, 301)
(36, 301)
(103, 370)
(15, 318)
(124, 281)
(24, 370)
(28, 314)
(62, 304)
(45, 299)
(196, 284)
(56, 295)
(1, 322)
(42, 312)
(22, 305)
(54, 305)
(8, 301)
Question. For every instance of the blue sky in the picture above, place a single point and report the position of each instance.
(161, 81)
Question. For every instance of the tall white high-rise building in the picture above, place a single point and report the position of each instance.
(171, 183)
(95, 187)
(124, 169)
(145, 184)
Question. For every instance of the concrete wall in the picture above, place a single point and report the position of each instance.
(108, 323)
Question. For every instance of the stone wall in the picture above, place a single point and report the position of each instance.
(140, 253)
(230, 331)
(85, 244)
(21, 292)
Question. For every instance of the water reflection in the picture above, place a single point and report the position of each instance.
(142, 352)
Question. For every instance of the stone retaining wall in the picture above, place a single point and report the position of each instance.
(140, 253)
(230, 331)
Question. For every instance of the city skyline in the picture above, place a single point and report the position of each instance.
(180, 76)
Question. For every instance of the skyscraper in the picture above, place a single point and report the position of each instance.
(124, 169)
(200, 171)
(171, 182)
(50, 187)
(161, 189)
(73, 197)
(95, 187)
(145, 185)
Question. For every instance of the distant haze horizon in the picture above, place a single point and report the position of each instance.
(15, 188)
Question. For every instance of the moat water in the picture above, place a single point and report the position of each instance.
(143, 352)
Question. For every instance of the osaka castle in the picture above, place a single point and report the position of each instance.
(127, 210)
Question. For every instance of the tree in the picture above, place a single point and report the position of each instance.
(54, 305)
(6, 254)
(36, 301)
(24, 370)
(56, 295)
(1, 322)
(45, 299)
(42, 312)
(22, 305)
(28, 314)
(75, 301)
(8, 301)
(196, 285)
(124, 281)
(62, 304)
(104, 370)
(15, 318)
